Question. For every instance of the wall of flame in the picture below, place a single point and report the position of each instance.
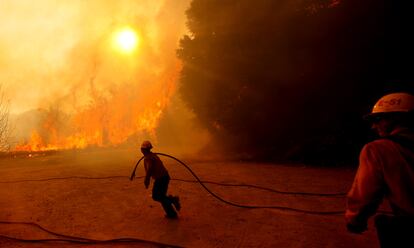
(59, 66)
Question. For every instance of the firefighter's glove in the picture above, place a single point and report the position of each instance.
(356, 228)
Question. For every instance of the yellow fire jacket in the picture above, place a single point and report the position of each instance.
(386, 169)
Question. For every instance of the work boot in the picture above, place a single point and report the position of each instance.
(176, 202)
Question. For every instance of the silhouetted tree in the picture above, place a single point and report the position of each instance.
(275, 76)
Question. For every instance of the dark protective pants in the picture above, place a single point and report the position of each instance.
(159, 193)
(395, 231)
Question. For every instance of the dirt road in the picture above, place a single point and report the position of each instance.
(89, 195)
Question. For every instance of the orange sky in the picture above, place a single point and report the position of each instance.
(58, 56)
(49, 48)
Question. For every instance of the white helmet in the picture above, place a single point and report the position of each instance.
(395, 102)
(146, 145)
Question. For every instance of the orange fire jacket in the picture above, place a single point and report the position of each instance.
(154, 167)
(386, 169)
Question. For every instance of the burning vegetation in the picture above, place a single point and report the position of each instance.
(107, 121)
(104, 81)
(291, 77)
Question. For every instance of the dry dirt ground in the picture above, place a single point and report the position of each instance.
(70, 193)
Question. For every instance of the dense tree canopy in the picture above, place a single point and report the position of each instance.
(290, 77)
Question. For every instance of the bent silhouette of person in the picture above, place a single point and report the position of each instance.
(154, 168)
(386, 170)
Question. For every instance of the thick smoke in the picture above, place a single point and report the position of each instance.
(69, 88)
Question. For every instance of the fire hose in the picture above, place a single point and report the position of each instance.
(80, 240)
(236, 204)
(76, 240)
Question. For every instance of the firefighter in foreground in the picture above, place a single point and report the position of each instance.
(386, 170)
(155, 168)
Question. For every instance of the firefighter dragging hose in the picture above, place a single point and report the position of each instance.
(155, 168)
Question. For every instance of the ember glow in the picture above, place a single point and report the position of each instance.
(69, 88)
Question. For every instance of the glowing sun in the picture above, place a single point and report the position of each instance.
(126, 40)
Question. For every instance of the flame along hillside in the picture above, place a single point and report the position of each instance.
(109, 120)
(96, 72)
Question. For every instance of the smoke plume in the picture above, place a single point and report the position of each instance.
(70, 88)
